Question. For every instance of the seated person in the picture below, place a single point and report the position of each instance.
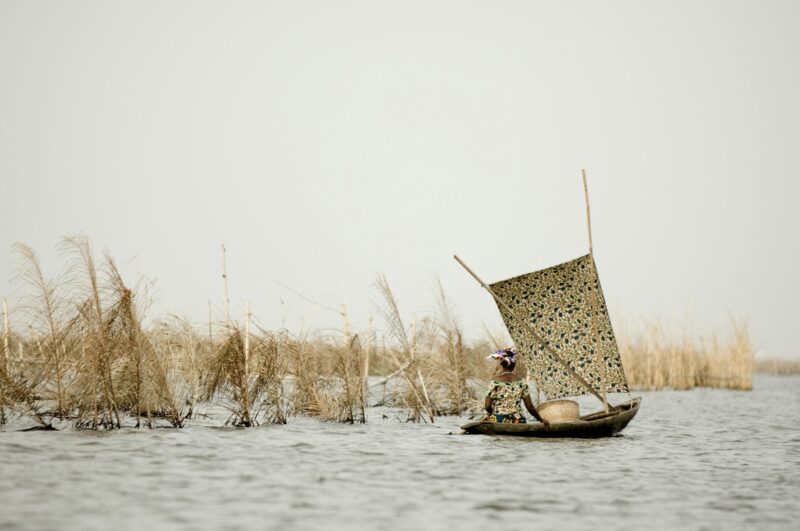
(506, 391)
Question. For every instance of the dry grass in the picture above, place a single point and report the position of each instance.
(245, 374)
(412, 392)
(77, 351)
(777, 366)
(655, 358)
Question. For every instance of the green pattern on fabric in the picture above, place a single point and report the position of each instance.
(558, 304)
(506, 396)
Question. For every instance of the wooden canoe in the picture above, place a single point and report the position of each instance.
(600, 424)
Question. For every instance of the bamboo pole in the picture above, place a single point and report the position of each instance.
(247, 315)
(413, 346)
(225, 285)
(190, 346)
(345, 323)
(598, 356)
(248, 421)
(6, 349)
(530, 330)
(412, 357)
(425, 393)
(391, 375)
(370, 348)
(6, 360)
(210, 334)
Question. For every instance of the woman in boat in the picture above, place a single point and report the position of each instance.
(506, 391)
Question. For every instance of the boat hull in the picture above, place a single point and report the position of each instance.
(600, 424)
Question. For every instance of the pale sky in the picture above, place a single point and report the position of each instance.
(324, 142)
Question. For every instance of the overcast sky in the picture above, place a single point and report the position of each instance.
(324, 142)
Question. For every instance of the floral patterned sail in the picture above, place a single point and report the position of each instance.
(565, 307)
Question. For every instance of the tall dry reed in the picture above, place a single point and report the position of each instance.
(655, 358)
(245, 375)
(79, 351)
(775, 366)
(454, 366)
(350, 381)
(408, 363)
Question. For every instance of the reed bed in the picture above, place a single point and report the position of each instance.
(657, 358)
(776, 366)
(77, 351)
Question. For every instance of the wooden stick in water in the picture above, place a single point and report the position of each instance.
(530, 330)
(5, 358)
(210, 333)
(419, 372)
(247, 316)
(6, 349)
(345, 323)
(246, 418)
(225, 285)
(367, 348)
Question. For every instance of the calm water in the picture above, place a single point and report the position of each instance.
(701, 459)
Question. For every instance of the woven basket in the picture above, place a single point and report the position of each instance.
(559, 411)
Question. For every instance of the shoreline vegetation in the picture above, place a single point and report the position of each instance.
(777, 367)
(77, 351)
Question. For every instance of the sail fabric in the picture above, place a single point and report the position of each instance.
(558, 303)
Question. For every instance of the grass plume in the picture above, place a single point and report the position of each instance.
(81, 352)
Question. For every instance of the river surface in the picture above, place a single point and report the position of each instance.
(701, 459)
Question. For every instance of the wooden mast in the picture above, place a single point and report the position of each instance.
(599, 358)
(531, 331)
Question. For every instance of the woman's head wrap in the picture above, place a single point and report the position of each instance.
(507, 356)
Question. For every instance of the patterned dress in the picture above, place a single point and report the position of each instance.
(506, 397)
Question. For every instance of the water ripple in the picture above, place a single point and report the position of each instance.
(691, 460)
